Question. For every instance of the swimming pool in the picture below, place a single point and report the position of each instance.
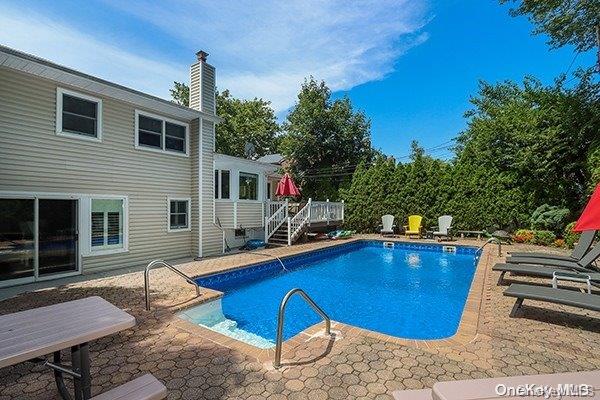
(415, 291)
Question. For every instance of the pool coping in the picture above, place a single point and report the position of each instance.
(466, 332)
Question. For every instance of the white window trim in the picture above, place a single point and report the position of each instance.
(59, 110)
(220, 172)
(189, 214)
(87, 249)
(163, 150)
(258, 183)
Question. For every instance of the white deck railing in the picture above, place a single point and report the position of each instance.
(298, 222)
(326, 211)
(271, 207)
(277, 213)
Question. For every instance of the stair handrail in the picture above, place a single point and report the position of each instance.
(281, 315)
(172, 268)
(273, 222)
(298, 221)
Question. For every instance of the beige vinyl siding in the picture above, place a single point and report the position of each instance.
(239, 214)
(195, 156)
(212, 236)
(224, 211)
(208, 82)
(195, 86)
(34, 159)
(249, 215)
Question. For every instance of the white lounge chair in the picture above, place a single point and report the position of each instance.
(444, 227)
(387, 225)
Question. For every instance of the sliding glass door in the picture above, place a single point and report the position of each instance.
(38, 238)
(57, 236)
(17, 241)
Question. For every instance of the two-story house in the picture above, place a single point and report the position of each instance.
(96, 176)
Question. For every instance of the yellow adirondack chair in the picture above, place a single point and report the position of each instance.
(414, 226)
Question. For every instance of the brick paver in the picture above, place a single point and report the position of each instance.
(548, 339)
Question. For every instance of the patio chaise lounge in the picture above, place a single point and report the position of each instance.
(585, 264)
(542, 272)
(583, 246)
(414, 226)
(387, 225)
(444, 227)
(566, 297)
(546, 267)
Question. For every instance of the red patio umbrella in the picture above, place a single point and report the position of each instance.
(590, 217)
(286, 187)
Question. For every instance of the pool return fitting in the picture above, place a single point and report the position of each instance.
(281, 315)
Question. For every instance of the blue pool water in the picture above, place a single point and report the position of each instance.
(409, 291)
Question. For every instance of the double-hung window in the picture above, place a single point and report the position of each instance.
(222, 184)
(78, 115)
(248, 186)
(107, 224)
(153, 132)
(179, 214)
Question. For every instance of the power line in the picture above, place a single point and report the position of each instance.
(442, 147)
(330, 172)
(572, 61)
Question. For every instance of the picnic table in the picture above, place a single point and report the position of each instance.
(470, 233)
(31, 334)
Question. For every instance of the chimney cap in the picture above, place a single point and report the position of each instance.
(202, 55)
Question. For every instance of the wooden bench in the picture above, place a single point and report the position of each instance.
(145, 387)
(470, 233)
(418, 394)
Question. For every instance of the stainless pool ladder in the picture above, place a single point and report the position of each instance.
(280, 317)
(493, 240)
(172, 268)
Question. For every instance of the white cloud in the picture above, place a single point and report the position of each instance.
(40, 36)
(260, 48)
(266, 48)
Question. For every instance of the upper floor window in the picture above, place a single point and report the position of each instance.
(157, 133)
(78, 115)
(221, 184)
(248, 186)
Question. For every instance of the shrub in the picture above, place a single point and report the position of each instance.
(571, 237)
(560, 243)
(523, 236)
(551, 218)
(544, 238)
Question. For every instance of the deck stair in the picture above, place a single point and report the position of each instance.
(286, 224)
(280, 237)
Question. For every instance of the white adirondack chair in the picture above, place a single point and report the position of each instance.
(444, 226)
(387, 225)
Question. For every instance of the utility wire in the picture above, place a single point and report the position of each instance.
(442, 147)
(327, 172)
(572, 61)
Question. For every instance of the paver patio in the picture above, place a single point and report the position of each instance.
(352, 366)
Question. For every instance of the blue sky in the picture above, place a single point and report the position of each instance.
(409, 65)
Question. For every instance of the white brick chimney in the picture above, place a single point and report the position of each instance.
(202, 85)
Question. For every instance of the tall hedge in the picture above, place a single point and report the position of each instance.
(525, 146)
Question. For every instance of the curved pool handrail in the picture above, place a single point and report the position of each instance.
(493, 240)
(280, 317)
(172, 268)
